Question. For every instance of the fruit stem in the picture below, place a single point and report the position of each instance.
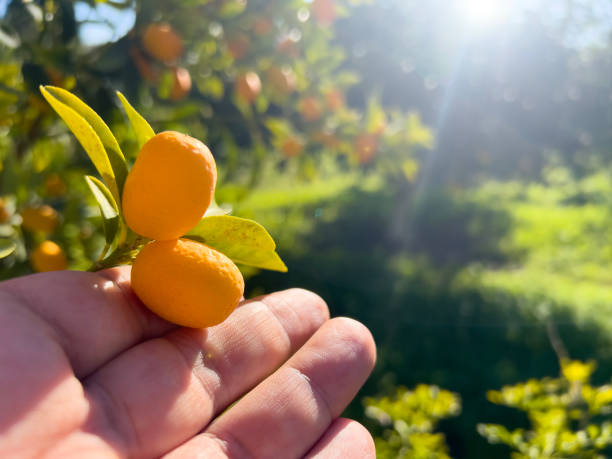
(123, 254)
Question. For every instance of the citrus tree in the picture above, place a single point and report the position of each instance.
(262, 83)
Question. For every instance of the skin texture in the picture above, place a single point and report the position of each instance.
(92, 373)
(186, 282)
(170, 186)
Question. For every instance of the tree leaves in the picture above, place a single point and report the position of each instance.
(108, 207)
(142, 129)
(88, 138)
(6, 248)
(115, 155)
(244, 241)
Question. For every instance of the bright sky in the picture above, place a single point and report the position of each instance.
(98, 31)
(478, 15)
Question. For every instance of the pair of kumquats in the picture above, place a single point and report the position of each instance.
(166, 193)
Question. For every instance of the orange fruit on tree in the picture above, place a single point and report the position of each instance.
(186, 282)
(239, 45)
(170, 186)
(334, 99)
(283, 80)
(181, 83)
(324, 12)
(310, 108)
(291, 147)
(48, 256)
(262, 26)
(4, 211)
(55, 76)
(366, 146)
(289, 47)
(248, 86)
(145, 68)
(328, 139)
(54, 185)
(40, 218)
(162, 42)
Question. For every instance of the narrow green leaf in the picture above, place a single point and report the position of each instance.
(108, 207)
(115, 155)
(142, 129)
(89, 140)
(6, 248)
(244, 241)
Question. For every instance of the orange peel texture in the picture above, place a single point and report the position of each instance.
(186, 282)
(170, 186)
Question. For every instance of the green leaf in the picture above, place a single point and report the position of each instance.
(108, 207)
(89, 140)
(6, 248)
(244, 241)
(142, 129)
(215, 210)
(115, 155)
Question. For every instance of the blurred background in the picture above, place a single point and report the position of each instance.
(440, 171)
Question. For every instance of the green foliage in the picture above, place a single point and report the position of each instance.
(409, 419)
(559, 244)
(569, 417)
(90, 140)
(293, 52)
(140, 126)
(244, 241)
(108, 207)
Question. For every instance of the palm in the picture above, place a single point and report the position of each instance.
(85, 369)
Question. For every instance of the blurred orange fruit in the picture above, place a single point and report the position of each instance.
(324, 12)
(40, 218)
(145, 68)
(262, 26)
(283, 80)
(327, 139)
(310, 108)
(239, 45)
(4, 211)
(291, 147)
(289, 47)
(248, 86)
(55, 76)
(366, 146)
(334, 99)
(170, 186)
(162, 42)
(54, 185)
(48, 256)
(186, 282)
(181, 83)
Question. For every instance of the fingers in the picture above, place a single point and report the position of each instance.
(93, 316)
(162, 392)
(292, 408)
(344, 438)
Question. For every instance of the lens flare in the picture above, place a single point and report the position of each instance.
(483, 12)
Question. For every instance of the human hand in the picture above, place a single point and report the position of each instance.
(87, 371)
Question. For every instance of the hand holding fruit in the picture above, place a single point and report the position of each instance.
(188, 279)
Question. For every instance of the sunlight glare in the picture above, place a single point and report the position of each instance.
(483, 12)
